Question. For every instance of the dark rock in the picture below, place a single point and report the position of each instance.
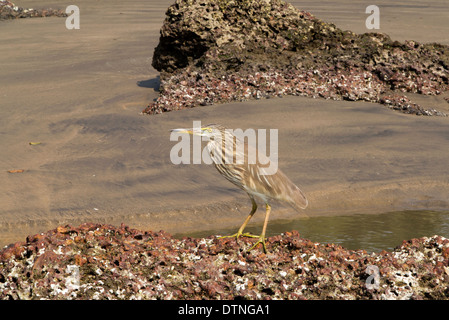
(220, 51)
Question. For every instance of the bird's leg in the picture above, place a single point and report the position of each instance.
(262, 236)
(240, 232)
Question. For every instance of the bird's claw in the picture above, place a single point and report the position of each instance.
(249, 235)
(260, 241)
(239, 234)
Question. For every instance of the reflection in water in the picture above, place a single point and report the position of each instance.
(371, 232)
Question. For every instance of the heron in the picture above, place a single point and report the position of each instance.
(249, 176)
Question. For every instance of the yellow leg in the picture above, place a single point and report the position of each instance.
(262, 236)
(240, 232)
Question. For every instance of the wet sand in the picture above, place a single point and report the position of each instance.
(80, 93)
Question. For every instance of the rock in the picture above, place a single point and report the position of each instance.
(9, 10)
(124, 263)
(237, 50)
(402, 103)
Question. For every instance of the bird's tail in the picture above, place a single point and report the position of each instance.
(298, 199)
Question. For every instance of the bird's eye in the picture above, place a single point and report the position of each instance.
(209, 130)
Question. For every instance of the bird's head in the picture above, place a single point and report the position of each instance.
(211, 131)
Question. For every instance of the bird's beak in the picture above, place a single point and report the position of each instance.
(194, 131)
(189, 131)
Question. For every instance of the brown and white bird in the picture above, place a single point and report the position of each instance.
(236, 165)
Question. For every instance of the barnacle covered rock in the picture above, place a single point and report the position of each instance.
(220, 51)
(97, 261)
(9, 10)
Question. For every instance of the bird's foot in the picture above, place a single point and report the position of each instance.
(249, 235)
(239, 234)
(260, 241)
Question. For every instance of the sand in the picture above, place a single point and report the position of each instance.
(80, 93)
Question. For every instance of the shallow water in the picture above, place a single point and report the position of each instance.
(371, 232)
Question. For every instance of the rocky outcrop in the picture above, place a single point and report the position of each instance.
(9, 10)
(95, 261)
(220, 51)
